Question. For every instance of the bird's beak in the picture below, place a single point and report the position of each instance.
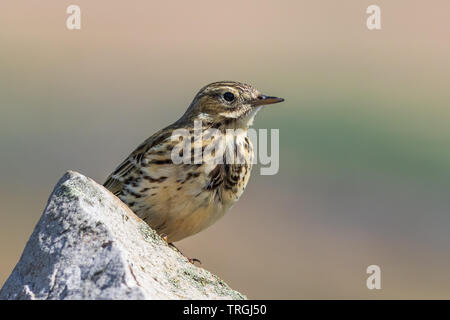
(263, 100)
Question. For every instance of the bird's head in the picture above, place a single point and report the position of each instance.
(229, 102)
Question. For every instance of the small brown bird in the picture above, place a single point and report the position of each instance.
(181, 199)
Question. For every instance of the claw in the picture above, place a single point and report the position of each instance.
(191, 260)
(194, 260)
(164, 237)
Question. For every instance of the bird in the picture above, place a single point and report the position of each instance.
(179, 200)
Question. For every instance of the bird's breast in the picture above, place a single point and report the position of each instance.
(181, 200)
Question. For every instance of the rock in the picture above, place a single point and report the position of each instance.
(89, 245)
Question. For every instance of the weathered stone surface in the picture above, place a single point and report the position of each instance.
(89, 245)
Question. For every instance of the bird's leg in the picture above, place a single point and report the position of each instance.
(191, 260)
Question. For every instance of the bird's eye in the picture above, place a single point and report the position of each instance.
(228, 96)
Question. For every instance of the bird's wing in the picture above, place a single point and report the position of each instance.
(128, 168)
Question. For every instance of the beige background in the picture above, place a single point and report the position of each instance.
(364, 135)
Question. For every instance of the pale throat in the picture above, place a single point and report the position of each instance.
(246, 120)
(240, 119)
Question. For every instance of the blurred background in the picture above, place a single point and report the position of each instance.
(364, 133)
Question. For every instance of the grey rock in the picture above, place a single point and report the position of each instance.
(89, 245)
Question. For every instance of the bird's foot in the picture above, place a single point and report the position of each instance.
(194, 260)
(191, 260)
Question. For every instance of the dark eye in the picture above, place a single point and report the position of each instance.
(228, 96)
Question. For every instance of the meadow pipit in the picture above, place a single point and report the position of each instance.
(180, 199)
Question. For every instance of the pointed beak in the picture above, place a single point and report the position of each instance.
(263, 100)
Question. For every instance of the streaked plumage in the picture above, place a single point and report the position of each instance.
(179, 200)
